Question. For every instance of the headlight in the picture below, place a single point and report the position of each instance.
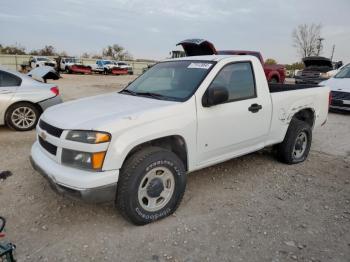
(83, 160)
(324, 75)
(90, 137)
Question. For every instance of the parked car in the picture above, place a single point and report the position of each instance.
(273, 73)
(335, 71)
(72, 65)
(102, 66)
(23, 99)
(315, 71)
(124, 65)
(340, 89)
(36, 61)
(136, 146)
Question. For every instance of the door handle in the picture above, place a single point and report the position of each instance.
(254, 108)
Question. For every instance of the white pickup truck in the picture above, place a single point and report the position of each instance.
(136, 146)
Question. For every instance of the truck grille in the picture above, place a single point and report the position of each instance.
(48, 146)
(336, 95)
(54, 131)
(310, 74)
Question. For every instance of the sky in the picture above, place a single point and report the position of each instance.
(151, 28)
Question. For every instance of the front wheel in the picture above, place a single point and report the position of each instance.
(22, 116)
(151, 185)
(296, 144)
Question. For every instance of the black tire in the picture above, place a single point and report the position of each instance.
(286, 150)
(105, 71)
(273, 80)
(135, 170)
(10, 120)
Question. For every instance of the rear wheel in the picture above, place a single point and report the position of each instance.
(22, 116)
(273, 80)
(68, 71)
(151, 185)
(296, 144)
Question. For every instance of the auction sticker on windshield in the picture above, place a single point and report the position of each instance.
(200, 65)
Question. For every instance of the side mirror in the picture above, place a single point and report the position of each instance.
(215, 95)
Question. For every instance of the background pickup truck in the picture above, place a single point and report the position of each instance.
(102, 66)
(315, 71)
(136, 147)
(273, 73)
(36, 61)
(72, 65)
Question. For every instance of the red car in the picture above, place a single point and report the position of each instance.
(274, 73)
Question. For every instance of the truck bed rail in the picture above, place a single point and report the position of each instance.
(274, 88)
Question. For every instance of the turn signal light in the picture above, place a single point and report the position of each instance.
(97, 160)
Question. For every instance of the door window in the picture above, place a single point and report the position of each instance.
(7, 79)
(238, 79)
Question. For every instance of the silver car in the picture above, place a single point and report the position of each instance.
(23, 99)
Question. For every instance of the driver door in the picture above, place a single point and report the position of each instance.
(237, 126)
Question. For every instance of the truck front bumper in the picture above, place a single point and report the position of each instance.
(93, 187)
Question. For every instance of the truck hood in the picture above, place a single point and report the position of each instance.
(104, 111)
(194, 47)
(338, 84)
(317, 61)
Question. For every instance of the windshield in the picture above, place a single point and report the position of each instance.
(107, 62)
(175, 80)
(71, 60)
(344, 73)
(42, 59)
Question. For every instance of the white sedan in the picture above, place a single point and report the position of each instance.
(340, 89)
(23, 99)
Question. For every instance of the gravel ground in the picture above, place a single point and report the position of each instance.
(252, 208)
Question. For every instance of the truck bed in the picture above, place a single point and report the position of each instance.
(274, 88)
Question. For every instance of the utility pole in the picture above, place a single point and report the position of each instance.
(332, 52)
(319, 45)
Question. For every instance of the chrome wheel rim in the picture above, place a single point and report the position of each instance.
(300, 145)
(156, 189)
(23, 117)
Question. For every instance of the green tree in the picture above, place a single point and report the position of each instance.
(85, 55)
(47, 50)
(12, 50)
(116, 52)
(295, 66)
(270, 61)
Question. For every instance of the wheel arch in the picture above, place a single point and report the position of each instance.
(174, 143)
(274, 75)
(37, 106)
(306, 115)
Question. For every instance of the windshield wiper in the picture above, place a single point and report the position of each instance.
(129, 92)
(153, 95)
(147, 94)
